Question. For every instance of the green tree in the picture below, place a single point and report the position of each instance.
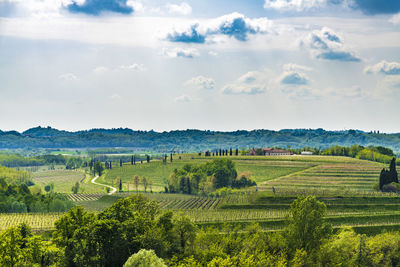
(306, 228)
(75, 188)
(67, 229)
(144, 258)
(98, 168)
(136, 181)
(145, 183)
(393, 171)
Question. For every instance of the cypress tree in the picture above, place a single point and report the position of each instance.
(189, 187)
(110, 165)
(170, 157)
(230, 152)
(384, 178)
(132, 160)
(237, 152)
(120, 162)
(120, 184)
(393, 172)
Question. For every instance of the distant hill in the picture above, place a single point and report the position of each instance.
(193, 140)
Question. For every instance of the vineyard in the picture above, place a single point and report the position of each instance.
(37, 221)
(344, 184)
(84, 197)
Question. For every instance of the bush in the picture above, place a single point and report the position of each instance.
(392, 187)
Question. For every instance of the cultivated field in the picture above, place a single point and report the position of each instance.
(344, 184)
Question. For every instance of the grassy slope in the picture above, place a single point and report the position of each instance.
(64, 180)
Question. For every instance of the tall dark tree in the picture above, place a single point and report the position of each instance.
(170, 157)
(110, 165)
(237, 152)
(384, 178)
(393, 171)
(230, 152)
(148, 158)
(189, 186)
(120, 162)
(120, 185)
(132, 160)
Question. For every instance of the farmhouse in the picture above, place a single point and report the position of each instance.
(271, 152)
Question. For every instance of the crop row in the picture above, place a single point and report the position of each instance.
(84, 197)
(37, 221)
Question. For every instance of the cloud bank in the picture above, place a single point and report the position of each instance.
(234, 25)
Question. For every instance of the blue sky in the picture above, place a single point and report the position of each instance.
(221, 65)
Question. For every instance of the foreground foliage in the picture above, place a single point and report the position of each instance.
(134, 232)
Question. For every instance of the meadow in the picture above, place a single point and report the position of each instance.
(64, 180)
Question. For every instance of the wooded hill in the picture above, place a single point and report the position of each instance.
(193, 140)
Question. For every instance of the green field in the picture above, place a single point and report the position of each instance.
(261, 169)
(63, 181)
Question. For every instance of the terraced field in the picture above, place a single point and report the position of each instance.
(350, 176)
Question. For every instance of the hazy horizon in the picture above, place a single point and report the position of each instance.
(183, 129)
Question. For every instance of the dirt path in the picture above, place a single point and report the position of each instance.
(113, 189)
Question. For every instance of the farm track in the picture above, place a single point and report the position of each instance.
(113, 189)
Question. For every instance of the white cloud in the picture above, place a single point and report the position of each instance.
(201, 82)
(134, 66)
(182, 9)
(395, 19)
(293, 77)
(294, 67)
(213, 53)
(183, 99)
(251, 83)
(100, 70)
(68, 77)
(328, 45)
(180, 52)
(297, 5)
(388, 68)
(233, 25)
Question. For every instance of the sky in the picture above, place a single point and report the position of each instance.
(200, 64)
